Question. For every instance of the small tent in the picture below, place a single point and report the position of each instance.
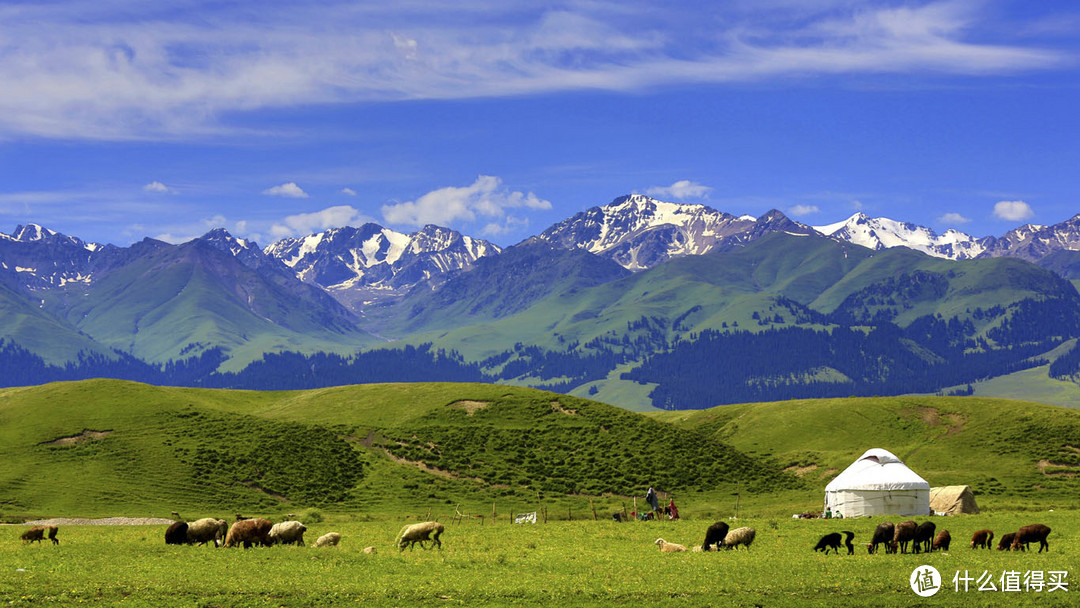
(878, 483)
(953, 500)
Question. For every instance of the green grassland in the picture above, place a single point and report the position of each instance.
(579, 563)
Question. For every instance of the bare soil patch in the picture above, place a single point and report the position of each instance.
(556, 406)
(470, 407)
(83, 437)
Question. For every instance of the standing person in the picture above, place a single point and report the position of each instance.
(673, 511)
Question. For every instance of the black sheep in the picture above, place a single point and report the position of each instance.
(833, 540)
(714, 535)
(924, 537)
(176, 534)
(883, 534)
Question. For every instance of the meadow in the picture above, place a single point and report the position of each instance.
(560, 563)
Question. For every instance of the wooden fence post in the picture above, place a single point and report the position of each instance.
(593, 507)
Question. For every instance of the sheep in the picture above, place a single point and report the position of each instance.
(176, 533)
(207, 529)
(330, 539)
(715, 535)
(832, 541)
(249, 531)
(35, 534)
(905, 532)
(1030, 534)
(370, 550)
(883, 533)
(418, 533)
(924, 537)
(288, 533)
(1006, 541)
(739, 536)
(52, 534)
(942, 541)
(982, 539)
(666, 547)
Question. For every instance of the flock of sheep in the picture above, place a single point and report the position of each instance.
(894, 537)
(263, 532)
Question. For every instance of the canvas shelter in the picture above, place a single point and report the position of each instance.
(878, 483)
(953, 500)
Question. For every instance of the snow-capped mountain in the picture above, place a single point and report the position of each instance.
(882, 233)
(370, 263)
(1033, 243)
(639, 232)
(43, 258)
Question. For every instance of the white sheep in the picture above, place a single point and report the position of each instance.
(666, 547)
(330, 539)
(207, 529)
(418, 533)
(739, 536)
(288, 533)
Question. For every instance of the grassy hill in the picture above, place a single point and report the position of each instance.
(1014, 451)
(111, 447)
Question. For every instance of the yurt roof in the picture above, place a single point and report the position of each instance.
(877, 469)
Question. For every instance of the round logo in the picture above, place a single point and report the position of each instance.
(925, 581)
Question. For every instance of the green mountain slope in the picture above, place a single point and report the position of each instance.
(170, 302)
(1017, 450)
(107, 447)
(27, 325)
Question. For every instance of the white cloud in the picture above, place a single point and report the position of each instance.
(127, 70)
(484, 197)
(857, 205)
(308, 223)
(157, 186)
(509, 225)
(953, 218)
(681, 189)
(798, 210)
(1014, 211)
(289, 190)
(348, 191)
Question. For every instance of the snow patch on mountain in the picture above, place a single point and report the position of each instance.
(884, 233)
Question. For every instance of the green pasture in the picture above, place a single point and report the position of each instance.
(564, 563)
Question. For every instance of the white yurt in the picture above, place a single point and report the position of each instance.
(878, 483)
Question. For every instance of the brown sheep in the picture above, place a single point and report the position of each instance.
(983, 539)
(52, 534)
(905, 532)
(248, 532)
(883, 533)
(35, 534)
(942, 541)
(176, 533)
(924, 537)
(1006, 541)
(1030, 534)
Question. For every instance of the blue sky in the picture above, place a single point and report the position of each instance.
(121, 119)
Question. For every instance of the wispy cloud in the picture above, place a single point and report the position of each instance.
(348, 191)
(308, 223)
(123, 69)
(800, 210)
(1013, 211)
(953, 219)
(484, 197)
(681, 189)
(288, 190)
(159, 187)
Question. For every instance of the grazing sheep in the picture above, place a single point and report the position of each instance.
(288, 533)
(176, 533)
(370, 550)
(739, 536)
(883, 534)
(418, 533)
(330, 539)
(982, 539)
(35, 534)
(942, 541)
(905, 532)
(924, 537)
(666, 547)
(832, 541)
(52, 534)
(207, 529)
(1006, 541)
(248, 532)
(715, 535)
(1030, 534)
